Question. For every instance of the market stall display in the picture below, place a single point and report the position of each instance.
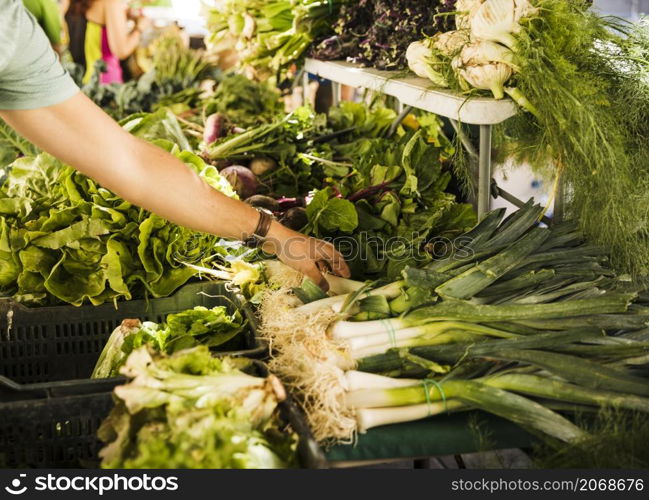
(113, 330)
(50, 408)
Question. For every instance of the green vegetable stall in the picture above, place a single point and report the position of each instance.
(127, 341)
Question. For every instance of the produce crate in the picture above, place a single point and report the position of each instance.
(46, 431)
(63, 343)
(455, 434)
(52, 432)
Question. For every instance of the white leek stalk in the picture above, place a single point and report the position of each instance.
(361, 380)
(337, 302)
(368, 418)
(348, 329)
(341, 286)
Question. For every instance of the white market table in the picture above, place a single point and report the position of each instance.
(417, 93)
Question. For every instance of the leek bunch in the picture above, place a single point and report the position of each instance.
(521, 321)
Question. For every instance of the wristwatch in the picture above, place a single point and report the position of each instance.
(258, 237)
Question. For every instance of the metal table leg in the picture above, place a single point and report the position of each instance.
(305, 87)
(484, 171)
(337, 96)
(405, 110)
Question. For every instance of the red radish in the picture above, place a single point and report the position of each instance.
(242, 180)
(295, 218)
(214, 128)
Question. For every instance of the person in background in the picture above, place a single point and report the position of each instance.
(48, 17)
(98, 30)
(39, 99)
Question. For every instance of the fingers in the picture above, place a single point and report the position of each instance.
(331, 256)
(316, 276)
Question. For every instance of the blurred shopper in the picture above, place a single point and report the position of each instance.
(99, 30)
(48, 16)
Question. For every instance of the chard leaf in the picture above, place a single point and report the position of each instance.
(328, 214)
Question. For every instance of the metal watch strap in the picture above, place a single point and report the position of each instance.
(261, 231)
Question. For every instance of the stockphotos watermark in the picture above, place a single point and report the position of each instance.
(362, 246)
(92, 484)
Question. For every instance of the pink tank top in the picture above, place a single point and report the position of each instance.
(113, 72)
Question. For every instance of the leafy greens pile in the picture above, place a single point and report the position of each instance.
(173, 75)
(13, 146)
(365, 189)
(190, 411)
(63, 238)
(269, 35)
(244, 102)
(214, 328)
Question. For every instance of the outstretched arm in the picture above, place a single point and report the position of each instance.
(82, 135)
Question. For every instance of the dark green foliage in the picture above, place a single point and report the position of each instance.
(587, 78)
(615, 440)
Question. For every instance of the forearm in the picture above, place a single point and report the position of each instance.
(80, 134)
(139, 172)
(159, 182)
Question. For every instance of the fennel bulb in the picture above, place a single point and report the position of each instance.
(451, 42)
(499, 20)
(486, 66)
(466, 10)
(422, 62)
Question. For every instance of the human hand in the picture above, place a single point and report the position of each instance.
(133, 14)
(308, 255)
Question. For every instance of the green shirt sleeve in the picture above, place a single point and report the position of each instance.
(47, 15)
(31, 75)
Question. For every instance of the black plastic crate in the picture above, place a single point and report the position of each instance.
(49, 431)
(63, 343)
(52, 432)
